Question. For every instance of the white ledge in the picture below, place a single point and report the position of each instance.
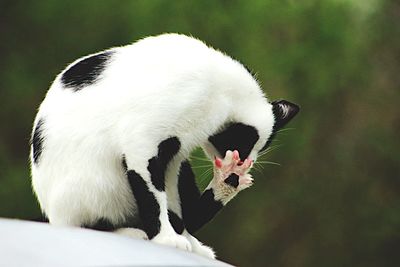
(25, 243)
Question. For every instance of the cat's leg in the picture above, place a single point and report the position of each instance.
(148, 187)
(175, 209)
(229, 179)
(197, 208)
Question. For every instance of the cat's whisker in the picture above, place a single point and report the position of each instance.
(257, 168)
(205, 174)
(285, 129)
(269, 162)
(203, 181)
(260, 166)
(202, 166)
(198, 158)
(269, 149)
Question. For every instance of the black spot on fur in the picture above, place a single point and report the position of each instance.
(176, 222)
(188, 193)
(101, 225)
(86, 71)
(167, 149)
(37, 141)
(149, 209)
(197, 210)
(236, 136)
(233, 180)
(124, 165)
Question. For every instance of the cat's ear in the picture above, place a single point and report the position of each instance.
(283, 111)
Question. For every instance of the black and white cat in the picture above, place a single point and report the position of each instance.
(112, 137)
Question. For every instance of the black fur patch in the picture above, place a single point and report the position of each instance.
(124, 165)
(233, 180)
(86, 71)
(167, 149)
(236, 136)
(189, 193)
(176, 222)
(149, 209)
(196, 210)
(206, 209)
(37, 141)
(101, 225)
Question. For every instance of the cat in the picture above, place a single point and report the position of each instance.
(112, 138)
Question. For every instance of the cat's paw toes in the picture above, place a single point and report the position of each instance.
(204, 251)
(243, 166)
(228, 163)
(199, 248)
(245, 181)
(173, 240)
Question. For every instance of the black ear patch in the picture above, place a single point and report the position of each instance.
(236, 136)
(283, 111)
(86, 71)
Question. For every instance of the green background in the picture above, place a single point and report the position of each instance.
(335, 198)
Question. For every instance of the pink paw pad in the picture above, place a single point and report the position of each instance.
(218, 162)
(236, 155)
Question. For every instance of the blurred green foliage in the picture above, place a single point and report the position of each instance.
(335, 199)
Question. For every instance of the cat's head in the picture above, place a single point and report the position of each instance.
(254, 136)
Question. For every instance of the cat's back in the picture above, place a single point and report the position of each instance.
(167, 74)
(148, 64)
(153, 69)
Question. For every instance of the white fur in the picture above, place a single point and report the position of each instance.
(168, 85)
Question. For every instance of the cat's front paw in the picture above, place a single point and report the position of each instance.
(232, 171)
(199, 248)
(173, 240)
(230, 176)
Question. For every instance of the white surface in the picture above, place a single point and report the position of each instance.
(25, 243)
